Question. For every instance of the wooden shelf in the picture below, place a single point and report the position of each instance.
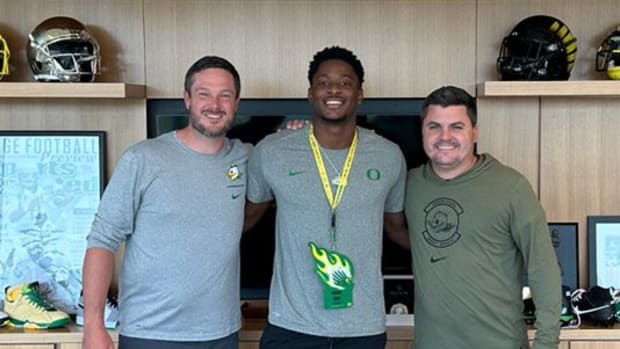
(69, 334)
(592, 88)
(71, 90)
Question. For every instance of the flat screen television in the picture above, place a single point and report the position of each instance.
(396, 119)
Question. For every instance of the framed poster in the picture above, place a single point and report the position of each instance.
(399, 299)
(604, 251)
(50, 186)
(565, 240)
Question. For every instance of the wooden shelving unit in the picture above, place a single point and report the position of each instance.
(588, 337)
(593, 88)
(71, 90)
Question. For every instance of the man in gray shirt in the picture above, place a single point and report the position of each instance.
(177, 201)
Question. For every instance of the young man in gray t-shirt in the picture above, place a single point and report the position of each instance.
(334, 184)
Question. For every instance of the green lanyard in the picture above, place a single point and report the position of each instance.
(333, 201)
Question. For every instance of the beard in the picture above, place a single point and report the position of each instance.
(196, 125)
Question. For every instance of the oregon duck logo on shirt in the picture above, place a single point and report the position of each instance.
(442, 222)
(233, 172)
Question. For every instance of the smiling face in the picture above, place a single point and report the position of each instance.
(335, 92)
(449, 139)
(212, 102)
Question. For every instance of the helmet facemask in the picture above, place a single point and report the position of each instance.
(531, 58)
(608, 55)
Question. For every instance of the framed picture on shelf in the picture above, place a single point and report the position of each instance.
(565, 240)
(50, 186)
(604, 251)
(399, 298)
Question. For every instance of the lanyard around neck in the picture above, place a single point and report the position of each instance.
(333, 201)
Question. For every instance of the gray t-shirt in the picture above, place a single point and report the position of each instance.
(282, 167)
(181, 214)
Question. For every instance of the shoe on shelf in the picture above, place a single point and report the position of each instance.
(27, 308)
(110, 316)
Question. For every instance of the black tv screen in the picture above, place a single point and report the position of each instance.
(395, 119)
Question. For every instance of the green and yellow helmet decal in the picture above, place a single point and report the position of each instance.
(567, 38)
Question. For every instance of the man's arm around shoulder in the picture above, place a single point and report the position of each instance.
(253, 213)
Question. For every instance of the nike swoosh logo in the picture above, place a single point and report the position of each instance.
(292, 173)
(437, 259)
(234, 196)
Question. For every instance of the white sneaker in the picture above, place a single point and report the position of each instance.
(110, 315)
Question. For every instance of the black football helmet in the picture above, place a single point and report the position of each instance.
(538, 48)
(608, 55)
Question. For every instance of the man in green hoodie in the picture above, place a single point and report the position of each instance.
(476, 229)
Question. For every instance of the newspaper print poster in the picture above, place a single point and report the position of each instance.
(50, 186)
(608, 254)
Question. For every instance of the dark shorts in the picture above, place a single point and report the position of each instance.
(275, 337)
(230, 342)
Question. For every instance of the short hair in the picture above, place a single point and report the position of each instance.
(208, 62)
(446, 96)
(339, 53)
